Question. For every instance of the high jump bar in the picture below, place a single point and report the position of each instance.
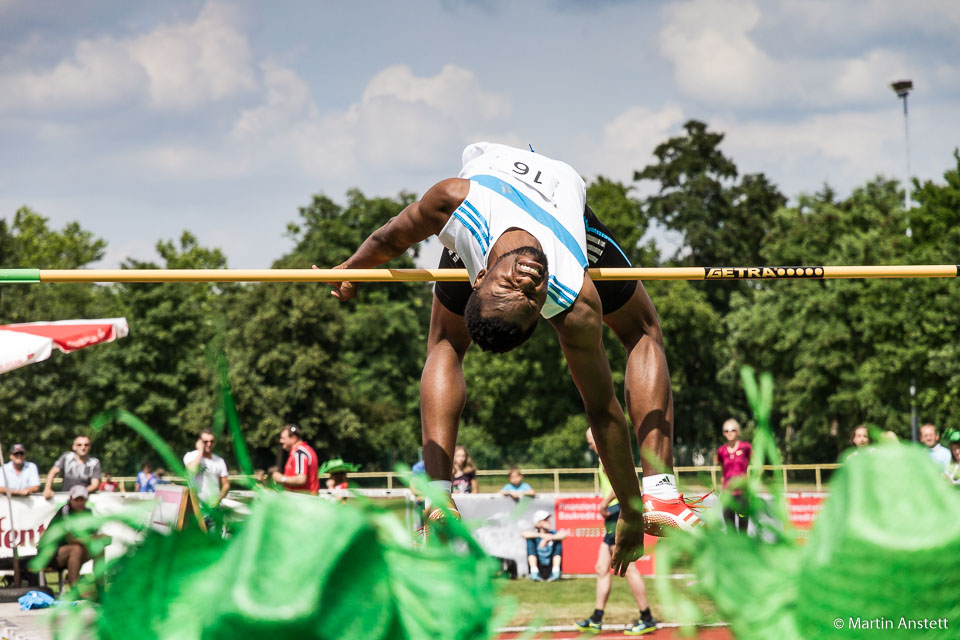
(22, 276)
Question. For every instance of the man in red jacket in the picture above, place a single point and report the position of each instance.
(300, 472)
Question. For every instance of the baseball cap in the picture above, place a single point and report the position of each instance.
(18, 448)
(542, 514)
(78, 491)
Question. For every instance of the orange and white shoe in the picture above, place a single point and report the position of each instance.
(434, 515)
(659, 516)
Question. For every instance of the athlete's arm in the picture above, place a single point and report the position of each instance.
(415, 223)
(580, 332)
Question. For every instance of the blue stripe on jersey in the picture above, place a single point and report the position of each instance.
(535, 211)
(562, 287)
(486, 227)
(480, 239)
(556, 300)
(479, 223)
(597, 232)
(559, 296)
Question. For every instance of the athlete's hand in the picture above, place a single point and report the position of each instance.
(629, 546)
(342, 291)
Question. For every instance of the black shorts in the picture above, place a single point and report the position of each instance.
(602, 251)
(610, 525)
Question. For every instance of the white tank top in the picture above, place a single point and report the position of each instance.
(513, 188)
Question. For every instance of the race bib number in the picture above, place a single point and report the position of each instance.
(532, 174)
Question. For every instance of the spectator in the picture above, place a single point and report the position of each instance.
(930, 437)
(209, 470)
(78, 468)
(610, 511)
(953, 470)
(734, 456)
(464, 472)
(19, 477)
(160, 476)
(146, 481)
(860, 436)
(859, 440)
(516, 488)
(72, 553)
(300, 472)
(544, 548)
(109, 485)
(338, 470)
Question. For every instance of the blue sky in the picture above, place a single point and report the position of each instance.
(141, 120)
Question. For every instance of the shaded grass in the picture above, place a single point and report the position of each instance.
(562, 602)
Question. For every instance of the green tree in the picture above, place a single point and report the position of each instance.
(722, 221)
(845, 351)
(165, 372)
(347, 373)
(44, 405)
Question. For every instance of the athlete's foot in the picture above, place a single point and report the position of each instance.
(660, 516)
(436, 514)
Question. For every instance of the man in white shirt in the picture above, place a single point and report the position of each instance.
(19, 477)
(930, 437)
(209, 470)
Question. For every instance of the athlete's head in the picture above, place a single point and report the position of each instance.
(503, 310)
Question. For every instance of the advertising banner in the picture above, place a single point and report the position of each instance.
(580, 518)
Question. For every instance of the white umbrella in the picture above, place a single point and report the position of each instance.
(23, 344)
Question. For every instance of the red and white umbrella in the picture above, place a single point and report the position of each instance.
(29, 342)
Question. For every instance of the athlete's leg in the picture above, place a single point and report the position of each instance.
(649, 397)
(603, 576)
(637, 588)
(443, 391)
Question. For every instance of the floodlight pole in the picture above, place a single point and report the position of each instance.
(902, 88)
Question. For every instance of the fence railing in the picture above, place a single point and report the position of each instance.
(587, 479)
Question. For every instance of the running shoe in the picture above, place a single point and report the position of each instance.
(640, 628)
(662, 515)
(588, 625)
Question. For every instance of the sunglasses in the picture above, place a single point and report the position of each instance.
(18, 453)
(206, 441)
(729, 430)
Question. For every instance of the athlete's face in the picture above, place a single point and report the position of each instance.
(515, 287)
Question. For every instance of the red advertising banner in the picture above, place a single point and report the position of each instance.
(803, 508)
(580, 518)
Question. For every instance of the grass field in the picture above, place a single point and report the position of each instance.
(562, 602)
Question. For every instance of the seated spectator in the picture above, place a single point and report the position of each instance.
(146, 481)
(464, 472)
(338, 470)
(109, 485)
(516, 488)
(161, 476)
(544, 548)
(72, 553)
(19, 477)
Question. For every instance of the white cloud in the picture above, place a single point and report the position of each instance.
(714, 46)
(401, 123)
(629, 140)
(176, 66)
(714, 58)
